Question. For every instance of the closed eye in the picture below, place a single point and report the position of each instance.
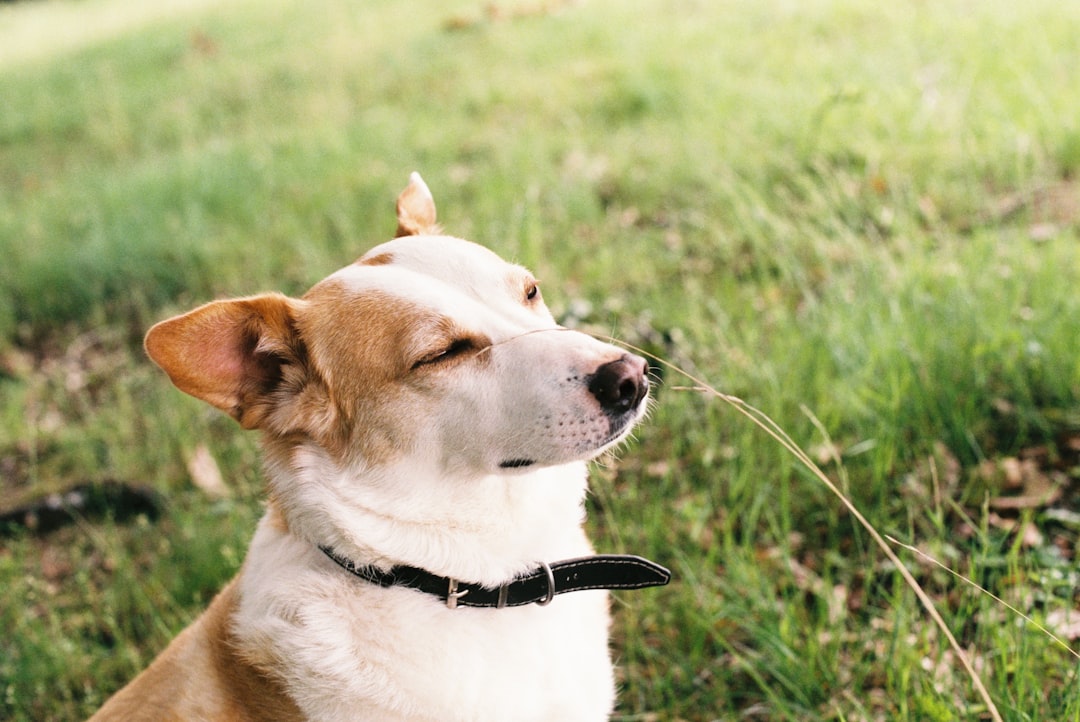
(456, 348)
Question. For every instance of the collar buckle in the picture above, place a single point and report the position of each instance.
(453, 595)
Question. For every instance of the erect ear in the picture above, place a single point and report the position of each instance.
(230, 354)
(416, 209)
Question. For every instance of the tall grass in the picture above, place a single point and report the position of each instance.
(867, 212)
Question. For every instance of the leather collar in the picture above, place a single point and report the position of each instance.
(603, 571)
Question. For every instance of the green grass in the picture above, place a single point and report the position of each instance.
(868, 213)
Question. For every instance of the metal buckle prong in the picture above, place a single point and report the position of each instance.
(452, 594)
(551, 585)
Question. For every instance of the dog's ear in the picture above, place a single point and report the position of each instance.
(416, 209)
(231, 354)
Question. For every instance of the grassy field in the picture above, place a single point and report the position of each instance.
(855, 216)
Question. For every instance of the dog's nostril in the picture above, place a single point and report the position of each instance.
(620, 385)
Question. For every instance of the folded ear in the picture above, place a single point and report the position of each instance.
(230, 354)
(416, 209)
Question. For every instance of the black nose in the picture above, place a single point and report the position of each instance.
(620, 385)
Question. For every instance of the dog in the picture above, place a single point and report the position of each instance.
(425, 429)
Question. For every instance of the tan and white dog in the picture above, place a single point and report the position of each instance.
(426, 425)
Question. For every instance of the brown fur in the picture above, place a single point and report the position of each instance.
(228, 688)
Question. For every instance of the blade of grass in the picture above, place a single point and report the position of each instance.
(987, 592)
(770, 427)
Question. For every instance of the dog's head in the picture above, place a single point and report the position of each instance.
(429, 350)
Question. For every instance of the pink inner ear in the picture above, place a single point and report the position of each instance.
(228, 357)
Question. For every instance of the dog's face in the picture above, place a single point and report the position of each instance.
(428, 351)
(436, 345)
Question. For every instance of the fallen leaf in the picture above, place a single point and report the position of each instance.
(1027, 501)
(205, 473)
(1030, 536)
(1065, 623)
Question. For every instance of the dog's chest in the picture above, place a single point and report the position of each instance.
(521, 664)
(352, 650)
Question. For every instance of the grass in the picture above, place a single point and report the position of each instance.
(869, 213)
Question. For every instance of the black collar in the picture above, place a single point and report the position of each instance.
(604, 571)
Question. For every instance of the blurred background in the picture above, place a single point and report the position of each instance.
(863, 219)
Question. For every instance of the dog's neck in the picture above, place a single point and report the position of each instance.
(371, 516)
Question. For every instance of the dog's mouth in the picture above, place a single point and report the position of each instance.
(516, 463)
